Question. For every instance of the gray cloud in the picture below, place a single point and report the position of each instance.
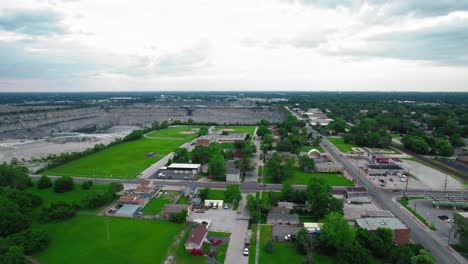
(31, 21)
(442, 44)
(420, 8)
(36, 59)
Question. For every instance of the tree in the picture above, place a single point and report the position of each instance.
(63, 184)
(57, 211)
(442, 147)
(44, 182)
(181, 155)
(336, 233)
(262, 131)
(319, 200)
(424, 257)
(203, 194)
(179, 217)
(11, 218)
(95, 199)
(416, 144)
(86, 185)
(200, 154)
(244, 164)
(461, 229)
(202, 131)
(14, 255)
(307, 164)
(354, 253)
(269, 247)
(305, 243)
(115, 187)
(32, 240)
(216, 167)
(14, 176)
(287, 192)
(232, 193)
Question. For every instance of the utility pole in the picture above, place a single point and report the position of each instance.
(445, 185)
(406, 188)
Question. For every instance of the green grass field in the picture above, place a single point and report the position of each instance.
(340, 144)
(300, 177)
(156, 205)
(284, 252)
(216, 195)
(74, 196)
(125, 160)
(84, 239)
(307, 148)
(239, 129)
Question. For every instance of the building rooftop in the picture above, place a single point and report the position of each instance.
(378, 213)
(175, 208)
(184, 166)
(127, 210)
(231, 167)
(280, 210)
(197, 235)
(384, 167)
(372, 223)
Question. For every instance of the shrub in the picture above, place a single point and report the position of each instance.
(86, 185)
(269, 247)
(97, 199)
(44, 182)
(63, 184)
(116, 187)
(32, 240)
(57, 211)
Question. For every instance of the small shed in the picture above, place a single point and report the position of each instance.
(127, 210)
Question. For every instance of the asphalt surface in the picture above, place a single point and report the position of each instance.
(384, 198)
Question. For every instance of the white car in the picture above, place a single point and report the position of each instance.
(246, 251)
(449, 220)
(287, 237)
(402, 179)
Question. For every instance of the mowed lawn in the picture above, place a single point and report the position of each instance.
(84, 239)
(239, 129)
(74, 196)
(340, 144)
(156, 205)
(125, 160)
(300, 177)
(284, 252)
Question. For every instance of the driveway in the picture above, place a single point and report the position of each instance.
(229, 221)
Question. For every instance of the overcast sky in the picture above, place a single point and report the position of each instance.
(116, 45)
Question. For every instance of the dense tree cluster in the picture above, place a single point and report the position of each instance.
(280, 168)
(178, 218)
(64, 184)
(14, 176)
(213, 155)
(57, 211)
(368, 133)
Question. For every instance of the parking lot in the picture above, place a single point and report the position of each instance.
(229, 221)
(425, 209)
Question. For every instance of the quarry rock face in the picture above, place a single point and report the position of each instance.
(39, 124)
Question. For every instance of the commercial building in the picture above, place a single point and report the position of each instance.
(215, 204)
(384, 169)
(181, 171)
(401, 233)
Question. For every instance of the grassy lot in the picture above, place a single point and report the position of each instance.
(227, 145)
(183, 257)
(219, 234)
(84, 239)
(340, 144)
(183, 200)
(300, 177)
(125, 160)
(308, 148)
(239, 129)
(253, 244)
(411, 210)
(284, 252)
(216, 195)
(156, 205)
(220, 254)
(74, 196)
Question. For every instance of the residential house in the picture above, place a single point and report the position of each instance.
(175, 209)
(196, 238)
(282, 215)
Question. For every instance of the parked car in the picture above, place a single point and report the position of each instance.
(211, 253)
(187, 178)
(287, 237)
(390, 179)
(446, 218)
(200, 210)
(217, 242)
(403, 179)
(227, 206)
(246, 251)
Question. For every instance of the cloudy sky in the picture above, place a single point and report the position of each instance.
(315, 45)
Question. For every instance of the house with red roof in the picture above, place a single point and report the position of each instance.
(196, 238)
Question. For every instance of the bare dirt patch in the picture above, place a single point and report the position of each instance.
(188, 132)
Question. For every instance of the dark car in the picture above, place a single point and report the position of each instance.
(443, 217)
